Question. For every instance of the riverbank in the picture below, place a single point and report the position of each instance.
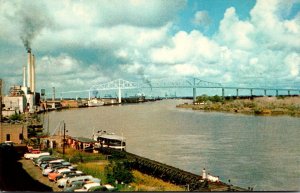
(95, 165)
(257, 106)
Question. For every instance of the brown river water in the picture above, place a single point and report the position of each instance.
(257, 151)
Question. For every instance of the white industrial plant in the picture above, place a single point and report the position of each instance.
(23, 98)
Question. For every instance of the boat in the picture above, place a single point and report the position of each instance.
(111, 140)
(95, 102)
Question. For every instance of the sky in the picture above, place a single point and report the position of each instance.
(78, 44)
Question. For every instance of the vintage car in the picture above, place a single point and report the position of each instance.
(62, 180)
(74, 185)
(37, 161)
(87, 187)
(57, 172)
(35, 155)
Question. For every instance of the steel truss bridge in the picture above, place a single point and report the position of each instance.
(167, 83)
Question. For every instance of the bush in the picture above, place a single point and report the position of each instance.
(118, 171)
(15, 117)
(204, 98)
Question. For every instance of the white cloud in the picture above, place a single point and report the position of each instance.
(62, 64)
(271, 29)
(293, 63)
(194, 47)
(201, 18)
(113, 12)
(111, 39)
(235, 33)
(186, 69)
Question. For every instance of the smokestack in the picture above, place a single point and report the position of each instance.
(29, 68)
(24, 76)
(32, 74)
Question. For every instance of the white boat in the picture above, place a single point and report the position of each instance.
(111, 140)
(95, 102)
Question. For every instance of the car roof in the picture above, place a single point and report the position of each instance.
(63, 170)
(89, 185)
(56, 161)
(77, 178)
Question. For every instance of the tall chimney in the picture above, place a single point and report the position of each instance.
(24, 76)
(32, 73)
(29, 69)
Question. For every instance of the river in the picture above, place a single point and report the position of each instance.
(258, 151)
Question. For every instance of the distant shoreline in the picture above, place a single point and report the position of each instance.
(266, 106)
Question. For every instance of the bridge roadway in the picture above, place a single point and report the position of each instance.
(192, 83)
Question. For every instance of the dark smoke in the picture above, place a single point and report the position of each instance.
(141, 72)
(33, 19)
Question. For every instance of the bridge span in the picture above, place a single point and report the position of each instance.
(169, 83)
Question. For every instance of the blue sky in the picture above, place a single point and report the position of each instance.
(215, 10)
(80, 43)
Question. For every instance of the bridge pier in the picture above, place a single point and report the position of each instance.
(265, 92)
(120, 95)
(289, 92)
(223, 92)
(251, 92)
(237, 92)
(276, 92)
(194, 94)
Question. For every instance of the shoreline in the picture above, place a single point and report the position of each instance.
(262, 106)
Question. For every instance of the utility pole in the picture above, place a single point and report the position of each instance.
(64, 141)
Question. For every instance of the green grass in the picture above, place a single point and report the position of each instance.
(96, 169)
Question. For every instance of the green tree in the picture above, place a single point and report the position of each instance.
(119, 171)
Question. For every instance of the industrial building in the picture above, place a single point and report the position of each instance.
(23, 98)
(20, 99)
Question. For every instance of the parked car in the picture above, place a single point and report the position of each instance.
(50, 163)
(65, 174)
(41, 158)
(45, 164)
(35, 155)
(61, 183)
(79, 178)
(74, 185)
(87, 187)
(48, 170)
(52, 175)
(65, 163)
(45, 159)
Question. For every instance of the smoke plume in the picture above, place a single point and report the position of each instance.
(141, 72)
(33, 19)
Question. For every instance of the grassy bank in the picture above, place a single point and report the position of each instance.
(258, 106)
(142, 182)
(95, 165)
